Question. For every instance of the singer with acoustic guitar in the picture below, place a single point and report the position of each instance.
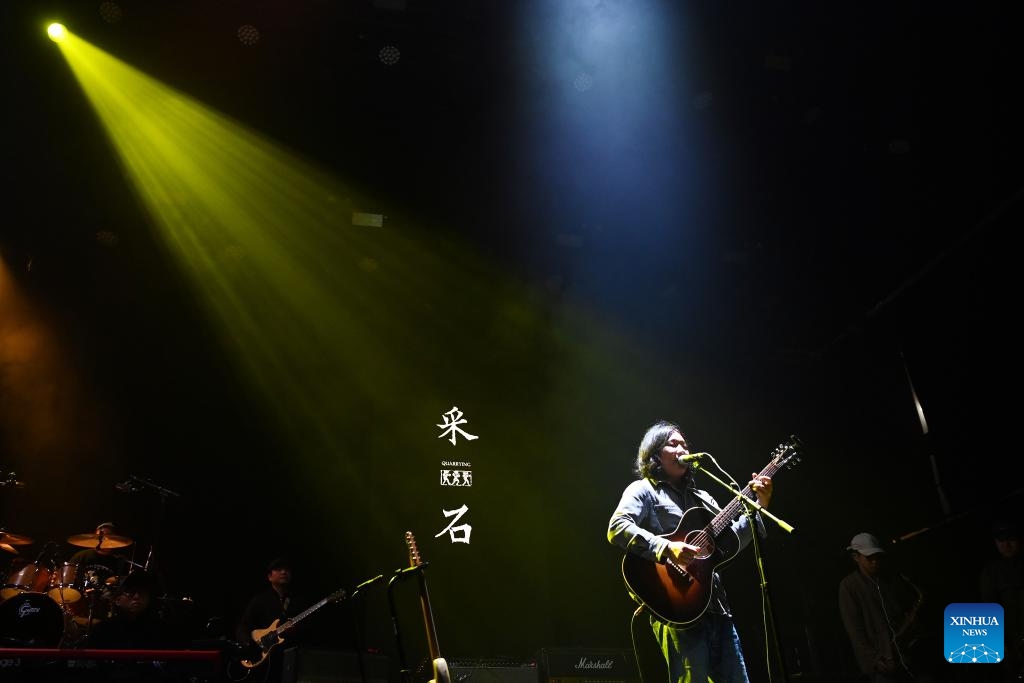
(675, 535)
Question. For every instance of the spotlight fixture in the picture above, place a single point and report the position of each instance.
(389, 54)
(57, 32)
(899, 146)
(369, 220)
(110, 12)
(248, 35)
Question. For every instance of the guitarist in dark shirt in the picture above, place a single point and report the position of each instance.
(278, 602)
(704, 645)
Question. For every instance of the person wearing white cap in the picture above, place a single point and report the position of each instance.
(879, 608)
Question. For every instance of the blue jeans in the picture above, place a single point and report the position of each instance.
(709, 650)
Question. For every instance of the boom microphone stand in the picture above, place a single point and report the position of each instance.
(749, 507)
(357, 614)
(135, 484)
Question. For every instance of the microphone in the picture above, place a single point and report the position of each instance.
(400, 573)
(369, 582)
(690, 457)
(44, 551)
(11, 479)
(127, 486)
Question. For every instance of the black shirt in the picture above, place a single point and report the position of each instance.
(263, 609)
(107, 565)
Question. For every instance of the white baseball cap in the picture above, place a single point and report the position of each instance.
(865, 544)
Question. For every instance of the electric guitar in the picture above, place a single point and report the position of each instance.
(440, 666)
(678, 594)
(268, 638)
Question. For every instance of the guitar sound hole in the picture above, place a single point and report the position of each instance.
(703, 540)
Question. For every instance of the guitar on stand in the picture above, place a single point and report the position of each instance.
(440, 666)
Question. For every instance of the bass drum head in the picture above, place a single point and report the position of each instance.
(31, 620)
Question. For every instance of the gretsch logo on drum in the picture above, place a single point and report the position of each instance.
(26, 609)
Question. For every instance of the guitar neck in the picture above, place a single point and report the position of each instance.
(306, 612)
(724, 518)
(428, 616)
(428, 619)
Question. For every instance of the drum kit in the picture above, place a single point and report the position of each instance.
(46, 603)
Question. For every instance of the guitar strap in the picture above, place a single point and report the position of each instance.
(709, 502)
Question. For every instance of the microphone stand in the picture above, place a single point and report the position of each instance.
(360, 645)
(749, 507)
(164, 493)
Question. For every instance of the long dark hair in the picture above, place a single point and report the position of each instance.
(648, 457)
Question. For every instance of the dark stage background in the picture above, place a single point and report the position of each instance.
(758, 219)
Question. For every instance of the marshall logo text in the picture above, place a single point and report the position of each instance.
(585, 663)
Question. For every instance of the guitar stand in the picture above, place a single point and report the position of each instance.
(749, 507)
(398, 575)
(407, 675)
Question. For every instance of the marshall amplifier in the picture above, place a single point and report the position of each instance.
(584, 665)
(492, 670)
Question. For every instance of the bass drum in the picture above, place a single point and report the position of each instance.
(31, 620)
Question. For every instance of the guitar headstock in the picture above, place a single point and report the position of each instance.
(414, 553)
(787, 454)
(337, 595)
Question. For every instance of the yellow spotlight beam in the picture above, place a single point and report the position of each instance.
(319, 314)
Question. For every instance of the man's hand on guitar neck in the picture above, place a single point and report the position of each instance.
(762, 488)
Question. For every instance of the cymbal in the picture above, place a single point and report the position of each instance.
(14, 539)
(9, 548)
(105, 541)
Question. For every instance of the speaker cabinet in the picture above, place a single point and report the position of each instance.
(482, 671)
(302, 665)
(586, 665)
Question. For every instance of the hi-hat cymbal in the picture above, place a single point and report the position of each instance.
(14, 539)
(105, 541)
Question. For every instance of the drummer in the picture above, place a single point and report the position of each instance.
(135, 622)
(101, 557)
